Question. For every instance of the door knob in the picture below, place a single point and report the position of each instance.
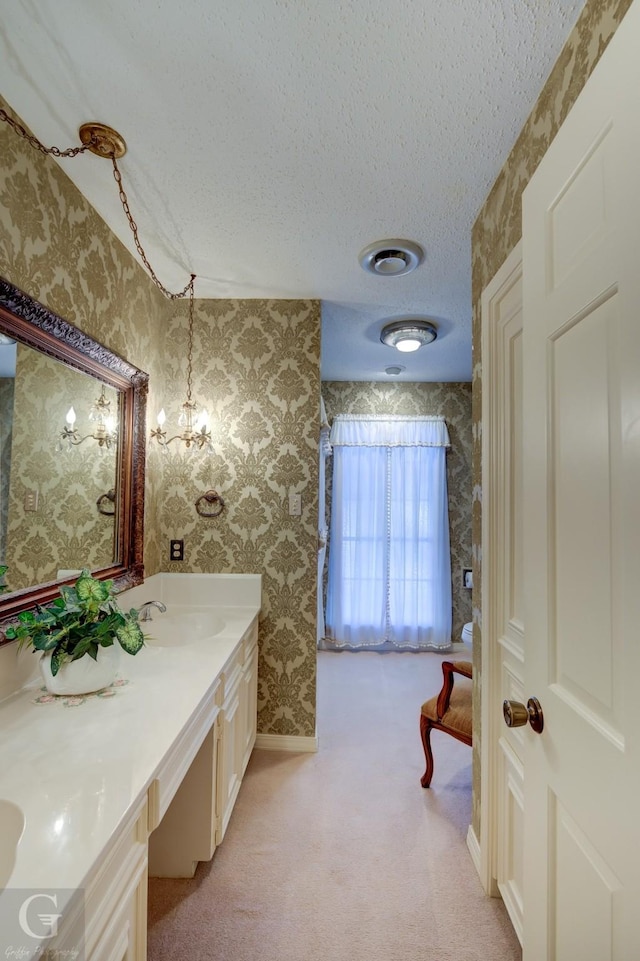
(517, 714)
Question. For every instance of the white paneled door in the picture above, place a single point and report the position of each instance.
(503, 629)
(581, 470)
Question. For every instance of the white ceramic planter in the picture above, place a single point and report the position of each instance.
(84, 675)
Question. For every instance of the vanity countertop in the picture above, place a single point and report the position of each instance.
(77, 771)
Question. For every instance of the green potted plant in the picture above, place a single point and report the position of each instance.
(79, 635)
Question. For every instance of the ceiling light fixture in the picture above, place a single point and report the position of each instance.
(391, 258)
(195, 435)
(408, 335)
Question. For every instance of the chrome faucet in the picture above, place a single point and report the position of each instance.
(144, 612)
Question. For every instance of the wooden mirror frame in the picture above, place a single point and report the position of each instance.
(36, 326)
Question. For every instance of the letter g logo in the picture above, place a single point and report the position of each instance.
(49, 922)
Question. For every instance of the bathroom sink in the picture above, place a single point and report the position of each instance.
(12, 821)
(176, 629)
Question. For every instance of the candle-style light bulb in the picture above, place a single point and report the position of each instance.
(203, 420)
(161, 417)
(71, 417)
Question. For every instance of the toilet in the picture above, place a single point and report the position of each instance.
(467, 634)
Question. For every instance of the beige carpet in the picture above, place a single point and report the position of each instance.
(342, 855)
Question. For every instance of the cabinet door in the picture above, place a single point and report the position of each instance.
(250, 705)
(125, 936)
(230, 756)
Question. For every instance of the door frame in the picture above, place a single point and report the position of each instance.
(492, 467)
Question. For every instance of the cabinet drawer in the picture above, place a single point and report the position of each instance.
(118, 876)
(250, 640)
(232, 672)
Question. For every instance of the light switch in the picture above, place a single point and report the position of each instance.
(31, 500)
(295, 505)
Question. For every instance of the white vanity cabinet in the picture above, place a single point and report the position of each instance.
(149, 785)
(239, 719)
(249, 696)
(107, 920)
(116, 898)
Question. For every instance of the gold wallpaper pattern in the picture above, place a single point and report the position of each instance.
(6, 417)
(495, 233)
(453, 402)
(66, 531)
(55, 247)
(257, 365)
(256, 369)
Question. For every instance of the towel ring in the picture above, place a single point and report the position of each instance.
(109, 498)
(211, 498)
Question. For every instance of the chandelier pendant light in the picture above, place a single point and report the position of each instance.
(195, 434)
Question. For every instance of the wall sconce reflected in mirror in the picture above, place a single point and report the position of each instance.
(105, 433)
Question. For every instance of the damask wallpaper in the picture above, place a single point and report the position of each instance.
(257, 371)
(495, 233)
(452, 401)
(55, 247)
(66, 531)
(6, 416)
(256, 365)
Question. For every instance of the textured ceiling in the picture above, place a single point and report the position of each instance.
(269, 141)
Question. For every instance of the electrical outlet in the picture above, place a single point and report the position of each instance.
(31, 500)
(295, 505)
(176, 550)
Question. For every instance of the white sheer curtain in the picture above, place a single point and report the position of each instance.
(389, 584)
(323, 453)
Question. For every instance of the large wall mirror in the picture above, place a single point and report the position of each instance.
(72, 454)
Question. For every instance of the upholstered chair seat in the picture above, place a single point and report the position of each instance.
(449, 711)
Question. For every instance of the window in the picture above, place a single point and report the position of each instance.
(389, 581)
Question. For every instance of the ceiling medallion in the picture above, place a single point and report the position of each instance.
(408, 335)
(391, 258)
(102, 140)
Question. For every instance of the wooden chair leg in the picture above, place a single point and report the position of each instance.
(425, 734)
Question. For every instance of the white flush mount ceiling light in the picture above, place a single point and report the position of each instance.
(408, 335)
(391, 258)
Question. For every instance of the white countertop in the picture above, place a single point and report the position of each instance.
(76, 772)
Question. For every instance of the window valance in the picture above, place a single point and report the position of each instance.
(388, 430)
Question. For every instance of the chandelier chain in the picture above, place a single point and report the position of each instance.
(29, 137)
(190, 351)
(201, 439)
(74, 152)
(134, 230)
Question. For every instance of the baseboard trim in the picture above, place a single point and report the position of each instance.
(474, 849)
(287, 742)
